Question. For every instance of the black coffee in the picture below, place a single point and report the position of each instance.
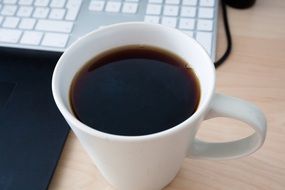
(134, 90)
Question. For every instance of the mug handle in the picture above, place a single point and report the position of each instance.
(226, 106)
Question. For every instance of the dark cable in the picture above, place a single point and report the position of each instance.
(228, 36)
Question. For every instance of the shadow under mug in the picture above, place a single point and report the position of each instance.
(150, 162)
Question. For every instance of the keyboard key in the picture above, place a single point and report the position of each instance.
(96, 5)
(27, 23)
(189, 33)
(57, 3)
(113, 6)
(189, 2)
(72, 13)
(9, 10)
(170, 10)
(11, 22)
(188, 12)
(57, 14)
(169, 21)
(206, 25)
(186, 23)
(153, 9)
(41, 12)
(31, 38)
(55, 40)
(10, 1)
(151, 19)
(9, 35)
(175, 2)
(73, 4)
(54, 26)
(206, 13)
(207, 3)
(25, 2)
(205, 39)
(25, 11)
(42, 3)
(130, 8)
(155, 1)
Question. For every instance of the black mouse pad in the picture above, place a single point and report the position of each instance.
(6, 89)
(32, 130)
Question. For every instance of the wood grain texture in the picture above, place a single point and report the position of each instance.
(255, 71)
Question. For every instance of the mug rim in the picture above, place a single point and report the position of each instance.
(71, 119)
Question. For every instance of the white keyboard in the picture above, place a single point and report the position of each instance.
(52, 25)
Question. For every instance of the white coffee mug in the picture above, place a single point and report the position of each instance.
(150, 162)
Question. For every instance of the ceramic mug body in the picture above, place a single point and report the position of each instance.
(150, 162)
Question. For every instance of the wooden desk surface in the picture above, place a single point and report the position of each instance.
(255, 71)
